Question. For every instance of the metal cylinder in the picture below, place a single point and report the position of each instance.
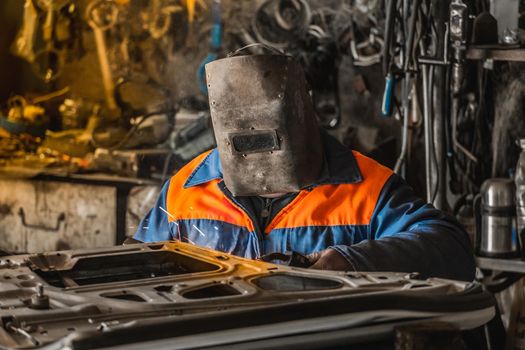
(519, 181)
(498, 219)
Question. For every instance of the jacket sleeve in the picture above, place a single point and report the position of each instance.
(155, 227)
(408, 235)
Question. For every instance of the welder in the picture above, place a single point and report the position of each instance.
(277, 183)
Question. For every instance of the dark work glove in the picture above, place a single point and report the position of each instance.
(131, 240)
(329, 259)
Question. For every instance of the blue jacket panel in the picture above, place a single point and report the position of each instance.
(408, 234)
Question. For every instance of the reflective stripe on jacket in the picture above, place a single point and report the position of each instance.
(358, 207)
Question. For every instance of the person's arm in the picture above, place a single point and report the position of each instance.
(155, 227)
(409, 235)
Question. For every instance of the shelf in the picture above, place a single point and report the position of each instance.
(508, 265)
(99, 179)
(516, 54)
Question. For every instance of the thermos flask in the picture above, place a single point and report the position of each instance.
(496, 219)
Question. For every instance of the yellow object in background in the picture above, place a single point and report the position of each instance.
(27, 113)
(32, 112)
(191, 7)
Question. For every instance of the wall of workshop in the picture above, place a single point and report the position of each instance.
(360, 88)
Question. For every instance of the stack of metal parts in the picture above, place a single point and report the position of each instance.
(176, 295)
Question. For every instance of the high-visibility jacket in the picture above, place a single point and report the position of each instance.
(358, 207)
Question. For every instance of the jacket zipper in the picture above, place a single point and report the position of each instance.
(258, 233)
(266, 212)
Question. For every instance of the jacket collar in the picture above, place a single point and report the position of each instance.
(340, 166)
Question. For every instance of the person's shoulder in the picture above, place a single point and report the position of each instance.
(192, 165)
(370, 167)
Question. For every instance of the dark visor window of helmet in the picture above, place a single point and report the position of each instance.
(254, 142)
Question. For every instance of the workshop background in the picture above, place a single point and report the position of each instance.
(89, 123)
(102, 100)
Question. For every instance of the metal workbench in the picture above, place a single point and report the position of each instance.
(55, 212)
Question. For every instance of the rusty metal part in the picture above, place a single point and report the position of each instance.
(180, 294)
(39, 300)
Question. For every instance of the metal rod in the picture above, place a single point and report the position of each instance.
(105, 68)
(411, 34)
(428, 132)
(389, 32)
(434, 171)
(439, 101)
(24, 333)
(406, 119)
(431, 61)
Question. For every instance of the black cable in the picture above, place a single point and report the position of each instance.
(260, 45)
(462, 200)
(498, 282)
(132, 130)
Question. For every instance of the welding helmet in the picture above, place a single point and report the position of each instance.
(264, 123)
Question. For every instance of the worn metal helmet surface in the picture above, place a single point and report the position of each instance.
(267, 134)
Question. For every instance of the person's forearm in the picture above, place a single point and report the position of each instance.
(443, 253)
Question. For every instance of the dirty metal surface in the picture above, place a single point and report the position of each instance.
(111, 297)
(37, 216)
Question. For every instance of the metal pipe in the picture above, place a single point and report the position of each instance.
(427, 132)
(439, 101)
(409, 49)
(406, 121)
(389, 32)
(434, 171)
(432, 61)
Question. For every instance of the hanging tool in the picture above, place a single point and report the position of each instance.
(409, 81)
(23, 46)
(215, 45)
(191, 6)
(458, 38)
(388, 96)
(360, 51)
(48, 62)
(102, 15)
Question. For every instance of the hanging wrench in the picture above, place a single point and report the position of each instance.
(23, 46)
(48, 61)
(50, 7)
(101, 16)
